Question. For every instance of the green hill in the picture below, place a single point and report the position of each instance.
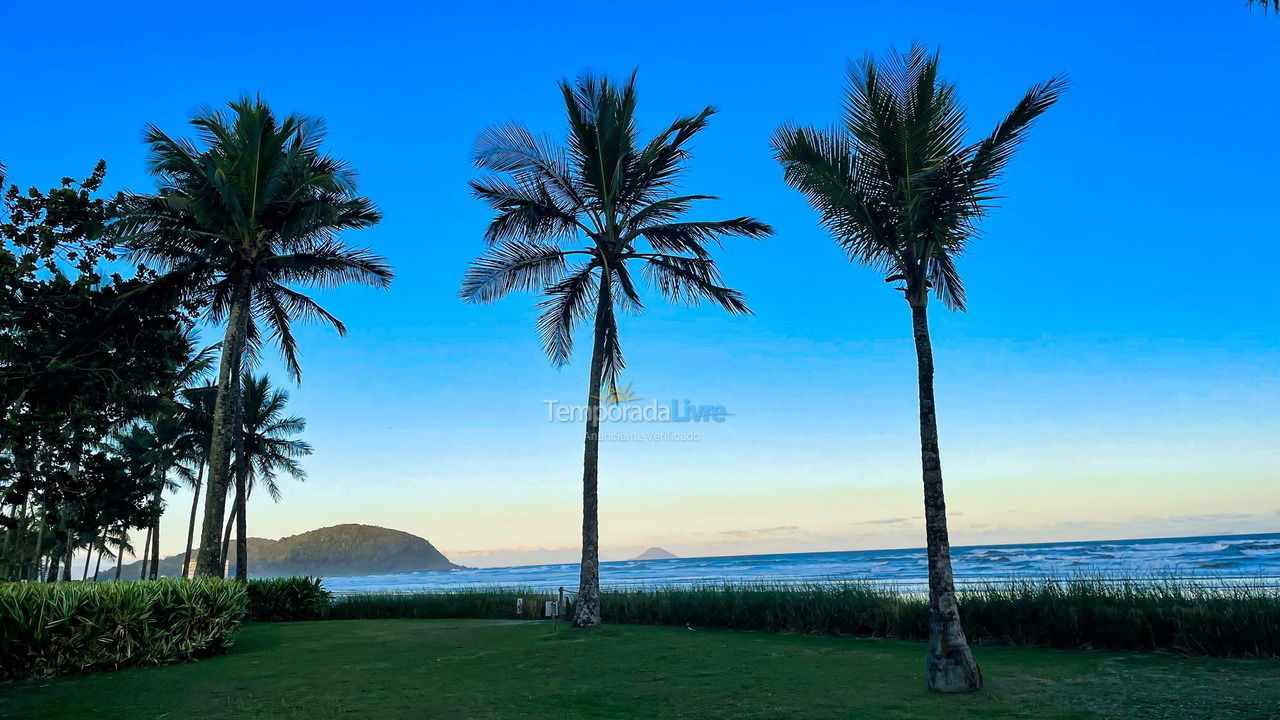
(330, 552)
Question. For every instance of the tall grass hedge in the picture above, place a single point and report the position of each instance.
(51, 629)
(1227, 620)
(481, 603)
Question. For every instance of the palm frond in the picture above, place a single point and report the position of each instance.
(511, 266)
(567, 303)
(691, 237)
(527, 210)
(989, 157)
(691, 281)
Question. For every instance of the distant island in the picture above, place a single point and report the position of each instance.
(655, 553)
(337, 551)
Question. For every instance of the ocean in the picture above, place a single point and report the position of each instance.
(1221, 558)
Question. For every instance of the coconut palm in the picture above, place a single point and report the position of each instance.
(121, 541)
(572, 221)
(178, 439)
(900, 190)
(197, 417)
(236, 224)
(154, 449)
(269, 450)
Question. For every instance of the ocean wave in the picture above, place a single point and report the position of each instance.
(1244, 556)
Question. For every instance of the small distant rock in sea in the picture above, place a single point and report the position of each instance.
(655, 553)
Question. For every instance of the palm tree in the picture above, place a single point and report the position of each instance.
(615, 199)
(197, 417)
(258, 209)
(166, 440)
(269, 449)
(901, 191)
(155, 449)
(121, 541)
(135, 446)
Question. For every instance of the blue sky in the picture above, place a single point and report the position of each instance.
(1116, 375)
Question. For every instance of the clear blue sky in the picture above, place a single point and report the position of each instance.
(1116, 375)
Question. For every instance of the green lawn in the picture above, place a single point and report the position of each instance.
(498, 669)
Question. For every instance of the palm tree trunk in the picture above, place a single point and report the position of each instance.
(224, 410)
(35, 571)
(950, 666)
(97, 568)
(191, 524)
(20, 553)
(226, 536)
(120, 551)
(66, 559)
(146, 555)
(586, 607)
(13, 564)
(73, 468)
(154, 572)
(242, 526)
(88, 560)
(8, 541)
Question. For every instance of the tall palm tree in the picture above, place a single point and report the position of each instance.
(270, 449)
(605, 201)
(153, 450)
(197, 417)
(236, 223)
(121, 541)
(901, 191)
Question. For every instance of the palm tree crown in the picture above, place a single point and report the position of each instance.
(897, 186)
(269, 443)
(607, 187)
(260, 204)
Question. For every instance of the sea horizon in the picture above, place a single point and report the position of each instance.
(1247, 557)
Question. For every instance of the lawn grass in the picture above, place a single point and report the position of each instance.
(510, 669)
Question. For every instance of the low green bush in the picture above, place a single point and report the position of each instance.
(51, 629)
(287, 599)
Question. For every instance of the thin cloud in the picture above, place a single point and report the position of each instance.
(760, 532)
(887, 521)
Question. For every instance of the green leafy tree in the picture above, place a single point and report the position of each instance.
(577, 222)
(901, 191)
(81, 354)
(239, 220)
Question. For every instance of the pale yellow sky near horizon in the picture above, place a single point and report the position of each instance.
(533, 527)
